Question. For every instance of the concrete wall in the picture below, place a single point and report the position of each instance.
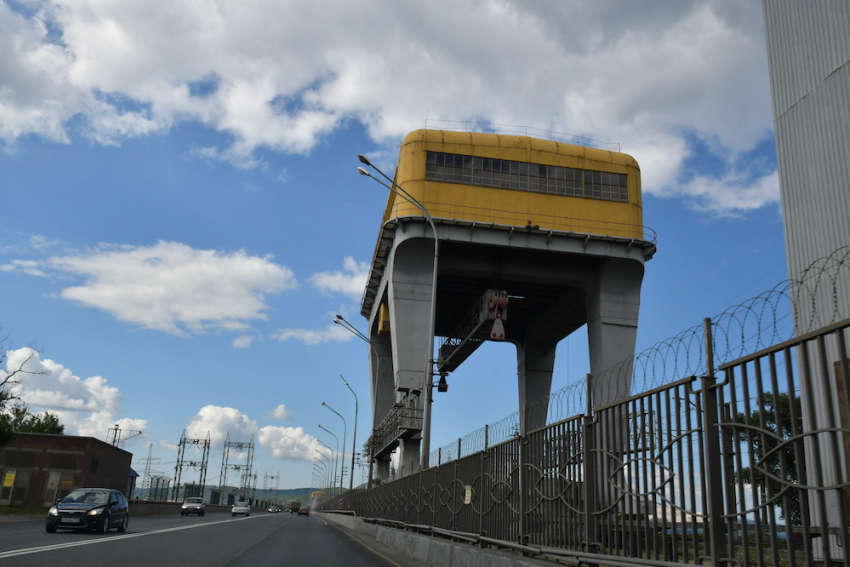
(432, 550)
(154, 508)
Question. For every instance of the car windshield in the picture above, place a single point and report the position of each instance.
(87, 497)
(242, 504)
(194, 500)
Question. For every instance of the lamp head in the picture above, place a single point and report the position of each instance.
(363, 159)
(364, 172)
(442, 385)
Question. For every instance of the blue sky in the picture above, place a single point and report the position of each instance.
(183, 217)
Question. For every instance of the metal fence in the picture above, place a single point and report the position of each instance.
(749, 467)
(734, 448)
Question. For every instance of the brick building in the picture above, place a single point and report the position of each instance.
(38, 468)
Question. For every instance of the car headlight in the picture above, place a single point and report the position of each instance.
(95, 512)
(184, 506)
(54, 511)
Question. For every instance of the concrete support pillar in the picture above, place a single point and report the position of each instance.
(383, 383)
(535, 362)
(408, 458)
(613, 303)
(383, 390)
(410, 312)
(382, 468)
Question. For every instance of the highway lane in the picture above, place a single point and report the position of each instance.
(165, 541)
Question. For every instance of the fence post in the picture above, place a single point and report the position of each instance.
(455, 497)
(523, 537)
(590, 489)
(371, 458)
(716, 527)
(483, 469)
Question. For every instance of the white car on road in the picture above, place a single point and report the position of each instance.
(241, 508)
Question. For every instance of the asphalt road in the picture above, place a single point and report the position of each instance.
(217, 539)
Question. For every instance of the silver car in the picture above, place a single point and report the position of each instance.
(241, 508)
(193, 505)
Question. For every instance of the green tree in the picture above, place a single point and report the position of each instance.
(10, 376)
(20, 419)
(774, 454)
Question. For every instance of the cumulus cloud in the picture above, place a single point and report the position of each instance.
(280, 412)
(170, 286)
(87, 407)
(220, 421)
(351, 281)
(331, 333)
(645, 74)
(289, 443)
(282, 442)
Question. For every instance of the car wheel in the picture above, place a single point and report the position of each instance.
(247, 514)
(104, 527)
(202, 513)
(125, 523)
(50, 529)
(232, 514)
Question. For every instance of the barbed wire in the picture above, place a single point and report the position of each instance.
(819, 298)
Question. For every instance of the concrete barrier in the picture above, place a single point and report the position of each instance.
(158, 508)
(432, 550)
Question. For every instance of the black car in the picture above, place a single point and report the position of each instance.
(90, 509)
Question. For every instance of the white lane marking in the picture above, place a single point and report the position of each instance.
(54, 547)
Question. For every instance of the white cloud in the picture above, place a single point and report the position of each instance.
(172, 287)
(351, 283)
(281, 74)
(219, 421)
(731, 196)
(39, 241)
(331, 333)
(87, 407)
(280, 412)
(243, 341)
(29, 267)
(289, 443)
(281, 442)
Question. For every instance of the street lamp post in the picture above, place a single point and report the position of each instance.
(317, 475)
(354, 440)
(336, 455)
(344, 432)
(340, 320)
(429, 369)
(329, 449)
(324, 467)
